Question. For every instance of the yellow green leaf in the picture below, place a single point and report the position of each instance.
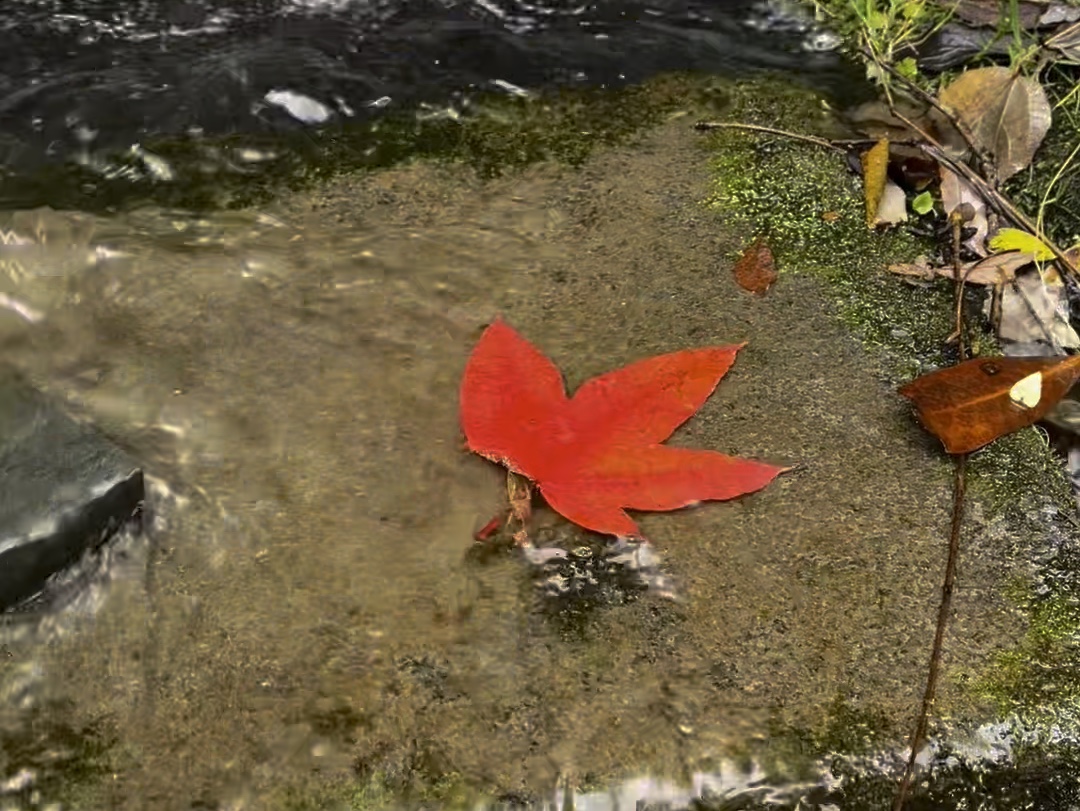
(1013, 239)
(907, 67)
(923, 203)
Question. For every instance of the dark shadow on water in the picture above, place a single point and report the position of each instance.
(109, 98)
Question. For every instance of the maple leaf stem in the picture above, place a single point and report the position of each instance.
(519, 493)
(490, 528)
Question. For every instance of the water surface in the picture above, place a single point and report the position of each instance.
(307, 615)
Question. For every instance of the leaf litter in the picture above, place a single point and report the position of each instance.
(983, 128)
(755, 270)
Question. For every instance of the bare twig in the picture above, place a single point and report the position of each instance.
(956, 221)
(795, 136)
(962, 128)
(945, 606)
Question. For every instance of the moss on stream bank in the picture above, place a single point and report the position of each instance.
(809, 205)
(495, 133)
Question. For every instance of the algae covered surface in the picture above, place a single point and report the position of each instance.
(317, 630)
(1024, 508)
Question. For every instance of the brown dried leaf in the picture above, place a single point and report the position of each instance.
(996, 269)
(1008, 115)
(972, 404)
(756, 269)
(1067, 42)
(1033, 311)
(876, 119)
(920, 267)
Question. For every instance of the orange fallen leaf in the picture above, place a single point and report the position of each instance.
(973, 403)
(756, 269)
(598, 452)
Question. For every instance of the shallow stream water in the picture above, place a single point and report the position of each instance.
(307, 622)
(309, 608)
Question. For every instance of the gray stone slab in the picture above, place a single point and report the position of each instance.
(64, 489)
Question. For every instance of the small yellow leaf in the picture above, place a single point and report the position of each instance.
(875, 163)
(1013, 239)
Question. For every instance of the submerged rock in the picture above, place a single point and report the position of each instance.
(64, 490)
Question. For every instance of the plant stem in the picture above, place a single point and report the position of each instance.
(945, 606)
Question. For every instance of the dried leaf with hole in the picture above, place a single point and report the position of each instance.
(1007, 115)
(756, 269)
(972, 404)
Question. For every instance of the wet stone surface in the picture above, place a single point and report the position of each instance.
(317, 631)
(64, 490)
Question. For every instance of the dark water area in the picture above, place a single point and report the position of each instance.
(99, 85)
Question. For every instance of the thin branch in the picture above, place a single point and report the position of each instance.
(945, 606)
(795, 136)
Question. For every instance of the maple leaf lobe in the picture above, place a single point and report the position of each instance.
(598, 452)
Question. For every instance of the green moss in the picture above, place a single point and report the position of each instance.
(1039, 680)
(1015, 466)
(809, 205)
(498, 133)
(789, 754)
(67, 759)
(784, 189)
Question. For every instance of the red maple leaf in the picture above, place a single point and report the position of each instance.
(598, 452)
